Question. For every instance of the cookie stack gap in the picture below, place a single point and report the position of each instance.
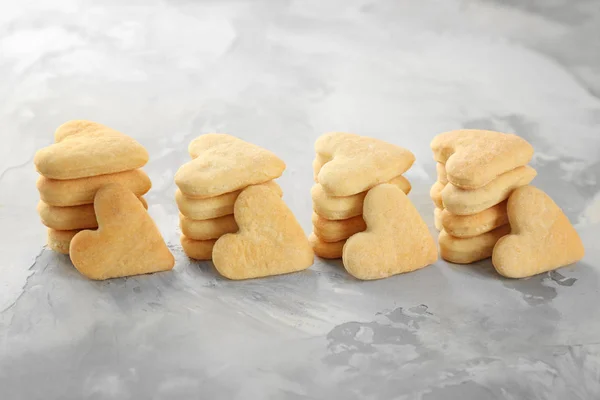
(209, 185)
(85, 157)
(346, 166)
(477, 171)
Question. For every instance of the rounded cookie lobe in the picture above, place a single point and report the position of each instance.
(474, 157)
(207, 229)
(474, 224)
(336, 230)
(270, 241)
(85, 149)
(344, 207)
(222, 164)
(197, 249)
(542, 237)
(126, 243)
(469, 250)
(75, 192)
(357, 163)
(467, 202)
(396, 240)
(328, 250)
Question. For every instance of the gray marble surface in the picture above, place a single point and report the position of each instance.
(279, 74)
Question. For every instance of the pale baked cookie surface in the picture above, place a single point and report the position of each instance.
(223, 163)
(344, 207)
(85, 148)
(68, 218)
(207, 229)
(197, 249)
(213, 207)
(328, 250)
(473, 158)
(351, 164)
(75, 192)
(336, 230)
(60, 240)
(396, 240)
(126, 243)
(270, 241)
(470, 249)
(541, 237)
(466, 202)
(474, 224)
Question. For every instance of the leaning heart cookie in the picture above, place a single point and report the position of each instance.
(222, 164)
(85, 149)
(396, 240)
(270, 240)
(473, 158)
(353, 164)
(541, 237)
(126, 243)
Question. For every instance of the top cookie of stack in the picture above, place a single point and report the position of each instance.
(345, 168)
(85, 156)
(477, 172)
(208, 186)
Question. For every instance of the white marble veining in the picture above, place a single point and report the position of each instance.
(279, 74)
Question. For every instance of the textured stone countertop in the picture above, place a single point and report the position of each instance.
(279, 74)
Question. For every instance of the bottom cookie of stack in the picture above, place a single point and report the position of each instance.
(60, 241)
(198, 249)
(324, 249)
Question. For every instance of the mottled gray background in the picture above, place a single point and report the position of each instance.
(280, 73)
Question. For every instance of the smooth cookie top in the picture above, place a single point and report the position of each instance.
(473, 157)
(85, 148)
(223, 163)
(348, 164)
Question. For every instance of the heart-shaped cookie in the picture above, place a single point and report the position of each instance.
(473, 157)
(126, 243)
(344, 207)
(351, 164)
(69, 218)
(396, 240)
(270, 240)
(541, 237)
(222, 164)
(213, 207)
(467, 202)
(85, 149)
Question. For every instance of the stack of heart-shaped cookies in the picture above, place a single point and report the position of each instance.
(85, 157)
(477, 170)
(345, 168)
(222, 166)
